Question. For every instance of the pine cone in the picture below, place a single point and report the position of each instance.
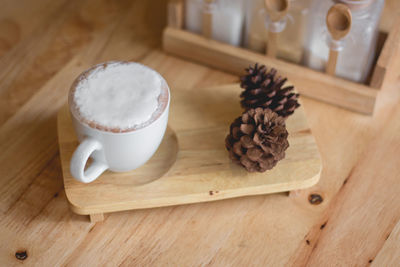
(263, 88)
(257, 139)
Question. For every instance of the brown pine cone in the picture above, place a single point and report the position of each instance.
(263, 88)
(257, 140)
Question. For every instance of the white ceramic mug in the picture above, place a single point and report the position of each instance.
(110, 150)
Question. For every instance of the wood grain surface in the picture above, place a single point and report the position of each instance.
(192, 164)
(353, 221)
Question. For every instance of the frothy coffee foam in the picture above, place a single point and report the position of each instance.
(119, 95)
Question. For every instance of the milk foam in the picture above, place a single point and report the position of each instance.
(119, 95)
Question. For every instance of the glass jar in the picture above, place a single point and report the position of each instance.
(357, 49)
(194, 15)
(255, 31)
(291, 38)
(227, 19)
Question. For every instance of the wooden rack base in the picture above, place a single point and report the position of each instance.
(350, 95)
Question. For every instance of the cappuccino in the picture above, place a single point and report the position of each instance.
(120, 114)
(119, 96)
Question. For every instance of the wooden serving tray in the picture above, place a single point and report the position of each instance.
(192, 164)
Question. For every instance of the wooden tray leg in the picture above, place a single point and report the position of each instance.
(96, 217)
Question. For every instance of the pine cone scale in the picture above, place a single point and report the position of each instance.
(246, 141)
(247, 128)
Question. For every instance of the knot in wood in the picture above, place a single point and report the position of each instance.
(21, 255)
(315, 199)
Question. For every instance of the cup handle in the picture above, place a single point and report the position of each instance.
(81, 156)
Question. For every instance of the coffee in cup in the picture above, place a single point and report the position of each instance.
(119, 112)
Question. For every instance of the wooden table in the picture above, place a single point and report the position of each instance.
(45, 44)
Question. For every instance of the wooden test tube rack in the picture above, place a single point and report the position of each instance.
(334, 90)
